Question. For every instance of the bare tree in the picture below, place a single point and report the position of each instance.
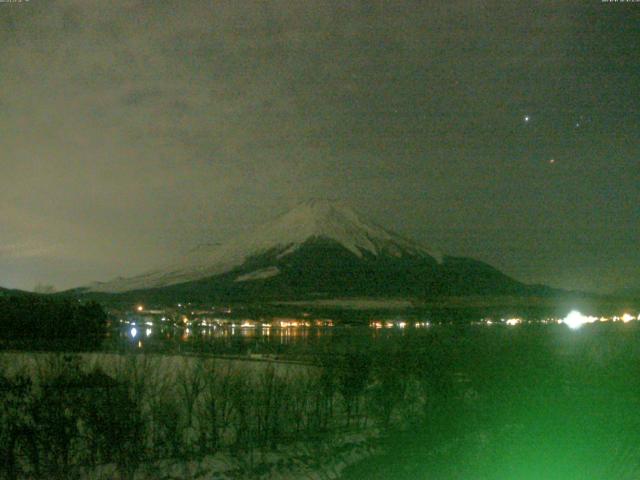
(190, 385)
(218, 405)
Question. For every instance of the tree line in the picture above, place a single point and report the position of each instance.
(70, 416)
(40, 317)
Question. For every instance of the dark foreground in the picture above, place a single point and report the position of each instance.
(540, 404)
(453, 402)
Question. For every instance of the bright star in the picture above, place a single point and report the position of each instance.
(527, 118)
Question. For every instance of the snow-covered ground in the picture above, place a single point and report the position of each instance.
(171, 366)
(187, 388)
(321, 460)
(355, 303)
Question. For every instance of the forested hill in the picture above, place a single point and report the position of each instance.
(26, 316)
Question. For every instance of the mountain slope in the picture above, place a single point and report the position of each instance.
(5, 292)
(319, 249)
(314, 219)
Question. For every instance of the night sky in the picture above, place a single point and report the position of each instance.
(131, 131)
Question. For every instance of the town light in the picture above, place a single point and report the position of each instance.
(575, 320)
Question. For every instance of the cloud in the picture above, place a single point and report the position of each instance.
(25, 250)
(133, 130)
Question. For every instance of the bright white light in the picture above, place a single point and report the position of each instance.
(626, 318)
(513, 321)
(140, 308)
(134, 332)
(148, 332)
(575, 320)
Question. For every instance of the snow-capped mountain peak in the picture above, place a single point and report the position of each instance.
(315, 219)
(335, 221)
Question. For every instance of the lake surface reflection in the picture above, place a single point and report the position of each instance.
(256, 341)
(311, 338)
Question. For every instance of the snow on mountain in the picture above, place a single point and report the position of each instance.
(259, 274)
(284, 235)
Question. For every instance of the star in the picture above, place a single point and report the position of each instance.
(526, 118)
(552, 161)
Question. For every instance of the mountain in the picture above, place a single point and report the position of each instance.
(628, 292)
(319, 249)
(6, 292)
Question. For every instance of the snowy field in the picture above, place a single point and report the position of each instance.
(318, 460)
(355, 303)
(140, 416)
(172, 367)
